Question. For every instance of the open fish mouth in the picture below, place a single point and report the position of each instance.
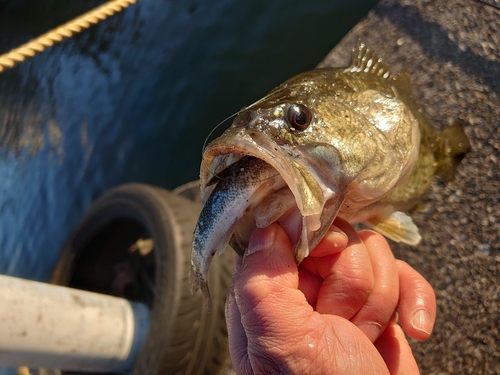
(288, 161)
(249, 181)
(297, 190)
(264, 199)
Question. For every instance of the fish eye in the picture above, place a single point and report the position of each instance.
(299, 117)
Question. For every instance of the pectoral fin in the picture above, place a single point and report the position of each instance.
(399, 227)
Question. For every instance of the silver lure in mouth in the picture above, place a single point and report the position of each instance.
(245, 184)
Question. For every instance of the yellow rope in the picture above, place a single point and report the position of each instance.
(23, 370)
(30, 49)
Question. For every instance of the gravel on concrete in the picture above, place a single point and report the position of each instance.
(452, 51)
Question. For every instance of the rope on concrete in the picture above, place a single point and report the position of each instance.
(30, 49)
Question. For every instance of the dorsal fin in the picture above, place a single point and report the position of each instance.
(365, 60)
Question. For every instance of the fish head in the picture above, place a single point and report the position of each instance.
(285, 130)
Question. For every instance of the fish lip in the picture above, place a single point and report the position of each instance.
(309, 195)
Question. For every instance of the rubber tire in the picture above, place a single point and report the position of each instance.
(183, 337)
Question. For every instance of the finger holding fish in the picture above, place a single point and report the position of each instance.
(417, 303)
(310, 281)
(347, 276)
(366, 284)
(271, 323)
(382, 302)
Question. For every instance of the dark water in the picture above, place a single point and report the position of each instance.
(132, 99)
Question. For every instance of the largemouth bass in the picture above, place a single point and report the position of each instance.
(348, 142)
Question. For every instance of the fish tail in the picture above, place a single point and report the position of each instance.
(456, 146)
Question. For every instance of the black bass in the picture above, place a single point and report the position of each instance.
(348, 142)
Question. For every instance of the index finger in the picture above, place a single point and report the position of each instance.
(347, 276)
(335, 240)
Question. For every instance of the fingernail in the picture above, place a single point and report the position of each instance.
(261, 238)
(421, 321)
(337, 236)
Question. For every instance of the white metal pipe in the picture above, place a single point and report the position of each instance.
(50, 326)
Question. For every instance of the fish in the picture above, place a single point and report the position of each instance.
(348, 142)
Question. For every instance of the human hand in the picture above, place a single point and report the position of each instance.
(334, 314)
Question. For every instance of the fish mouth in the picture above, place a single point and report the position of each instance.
(224, 151)
(315, 202)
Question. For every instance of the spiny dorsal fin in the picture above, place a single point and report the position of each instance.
(365, 60)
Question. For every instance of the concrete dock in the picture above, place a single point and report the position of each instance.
(452, 51)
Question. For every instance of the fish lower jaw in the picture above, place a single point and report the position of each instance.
(280, 208)
(292, 222)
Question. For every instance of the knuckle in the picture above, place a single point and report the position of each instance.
(359, 284)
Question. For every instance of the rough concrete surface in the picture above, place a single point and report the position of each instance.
(452, 51)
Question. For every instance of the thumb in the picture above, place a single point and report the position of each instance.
(266, 288)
